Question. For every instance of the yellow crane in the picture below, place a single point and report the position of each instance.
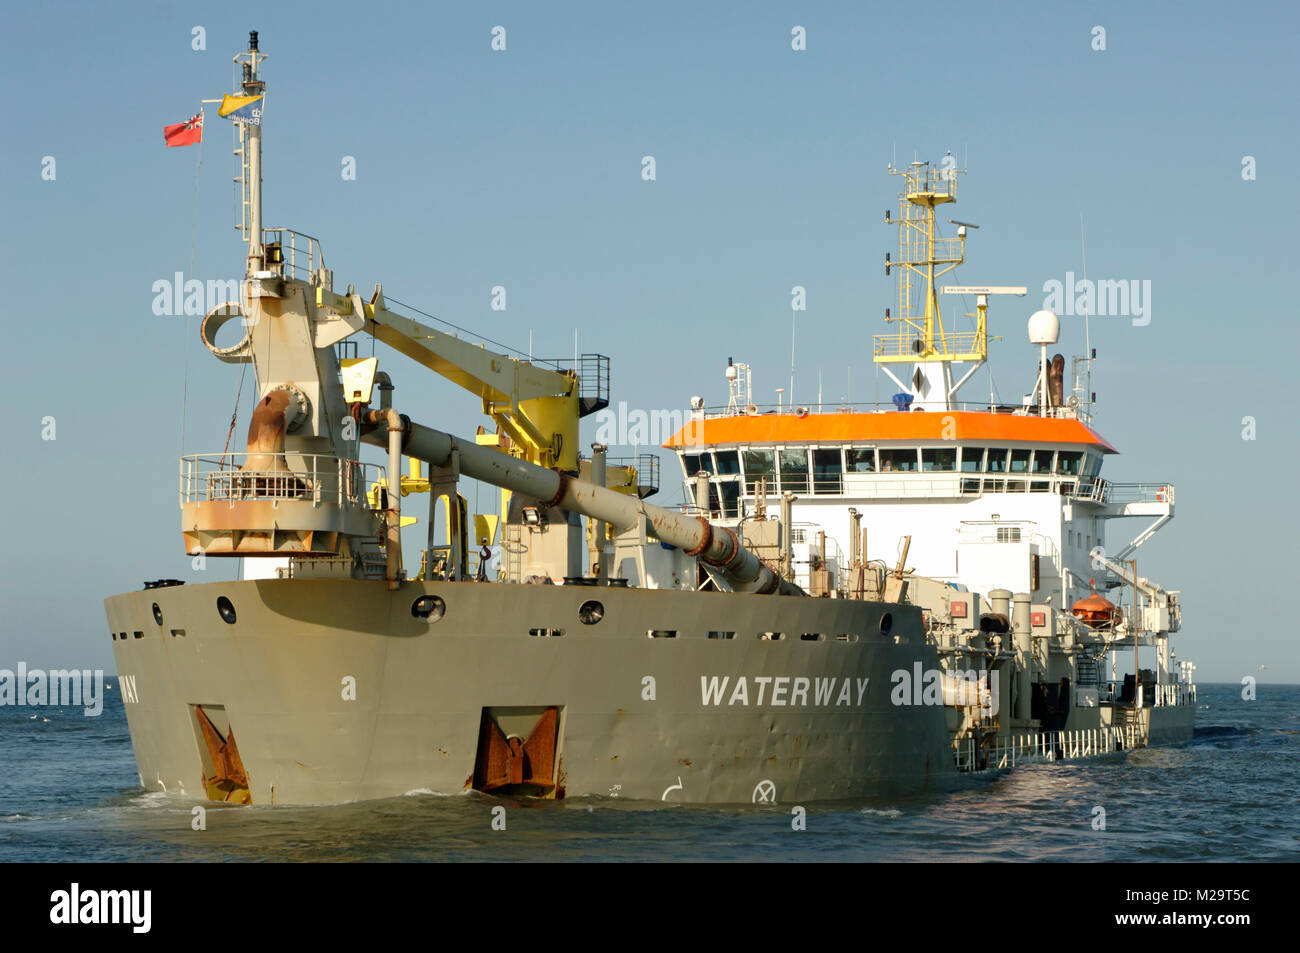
(536, 408)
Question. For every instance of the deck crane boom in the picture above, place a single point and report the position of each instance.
(537, 407)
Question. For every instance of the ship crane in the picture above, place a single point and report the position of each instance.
(536, 407)
(1164, 601)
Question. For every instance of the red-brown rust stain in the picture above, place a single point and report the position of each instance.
(685, 761)
(469, 782)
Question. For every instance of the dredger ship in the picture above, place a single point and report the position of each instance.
(708, 652)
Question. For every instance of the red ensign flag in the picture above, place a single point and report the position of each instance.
(185, 133)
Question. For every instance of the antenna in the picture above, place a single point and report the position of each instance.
(1087, 333)
(793, 316)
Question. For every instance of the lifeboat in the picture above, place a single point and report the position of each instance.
(1097, 610)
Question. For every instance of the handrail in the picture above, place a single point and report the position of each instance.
(315, 478)
(313, 257)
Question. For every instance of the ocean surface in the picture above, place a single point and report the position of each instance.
(69, 792)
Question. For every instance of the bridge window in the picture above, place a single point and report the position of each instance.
(1069, 464)
(759, 465)
(860, 459)
(694, 463)
(997, 461)
(730, 497)
(1042, 462)
(794, 470)
(1020, 461)
(898, 460)
(972, 459)
(939, 459)
(826, 471)
(728, 462)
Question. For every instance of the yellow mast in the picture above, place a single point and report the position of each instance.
(923, 257)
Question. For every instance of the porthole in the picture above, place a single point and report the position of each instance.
(226, 609)
(886, 623)
(157, 614)
(429, 608)
(591, 612)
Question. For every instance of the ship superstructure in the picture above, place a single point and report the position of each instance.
(992, 504)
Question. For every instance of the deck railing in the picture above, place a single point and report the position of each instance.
(301, 254)
(318, 478)
(1030, 747)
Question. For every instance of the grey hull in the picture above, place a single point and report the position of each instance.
(640, 716)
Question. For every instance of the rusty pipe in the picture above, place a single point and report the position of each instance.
(718, 547)
(266, 430)
(599, 477)
(393, 514)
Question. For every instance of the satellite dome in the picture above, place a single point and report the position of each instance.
(1044, 328)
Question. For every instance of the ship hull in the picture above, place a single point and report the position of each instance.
(335, 691)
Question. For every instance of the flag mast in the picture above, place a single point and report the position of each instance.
(252, 85)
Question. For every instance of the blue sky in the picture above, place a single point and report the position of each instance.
(522, 168)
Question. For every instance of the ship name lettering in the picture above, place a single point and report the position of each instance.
(787, 691)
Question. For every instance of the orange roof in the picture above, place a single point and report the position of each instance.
(919, 426)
